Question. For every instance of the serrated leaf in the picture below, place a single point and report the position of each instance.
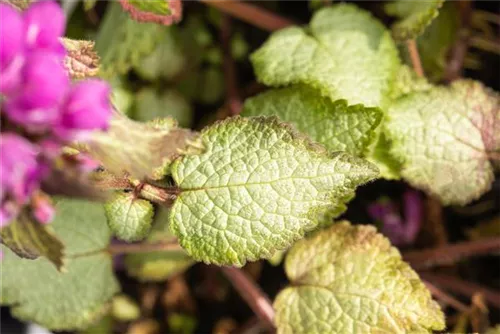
(415, 17)
(122, 42)
(258, 187)
(81, 60)
(37, 292)
(345, 53)
(334, 124)
(30, 239)
(151, 105)
(349, 279)
(407, 82)
(142, 150)
(445, 137)
(129, 218)
(164, 12)
(158, 266)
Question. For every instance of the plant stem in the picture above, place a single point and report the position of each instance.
(415, 57)
(466, 288)
(116, 249)
(459, 50)
(445, 297)
(233, 100)
(251, 14)
(451, 253)
(251, 293)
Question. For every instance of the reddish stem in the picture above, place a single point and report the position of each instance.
(415, 57)
(233, 100)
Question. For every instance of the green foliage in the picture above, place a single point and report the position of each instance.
(129, 218)
(334, 124)
(415, 17)
(345, 53)
(122, 42)
(349, 279)
(30, 239)
(124, 308)
(444, 138)
(153, 6)
(257, 188)
(151, 104)
(37, 292)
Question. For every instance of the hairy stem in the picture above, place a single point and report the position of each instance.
(415, 57)
(116, 249)
(251, 293)
(451, 253)
(251, 14)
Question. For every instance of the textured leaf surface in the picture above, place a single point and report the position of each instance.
(142, 150)
(81, 60)
(37, 292)
(333, 124)
(345, 53)
(414, 16)
(151, 105)
(164, 12)
(30, 239)
(445, 137)
(349, 279)
(158, 266)
(257, 188)
(129, 218)
(122, 42)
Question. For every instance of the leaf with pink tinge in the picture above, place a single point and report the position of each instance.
(165, 12)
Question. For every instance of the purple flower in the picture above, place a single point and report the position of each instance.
(44, 85)
(11, 45)
(44, 24)
(20, 175)
(87, 109)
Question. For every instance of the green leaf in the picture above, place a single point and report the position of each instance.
(81, 60)
(349, 279)
(125, 308)
(122, 43)
(151, 105)
(129, 218)
(158, 266)
(345, 53)
(37, 292)
(493, 330)
(257, 188)
(333, 124)
(30, 239)
(415, 17)
(407, 82)
(142, 150)
(164, 12)
(444, 138)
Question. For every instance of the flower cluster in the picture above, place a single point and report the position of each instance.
(41, 110)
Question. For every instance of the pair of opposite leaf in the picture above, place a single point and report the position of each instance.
(444, 140)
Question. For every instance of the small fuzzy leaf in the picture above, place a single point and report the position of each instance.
(445, 137)
(346, 54)
(37, 292)
(415, 17)
(129, 218)
(122, 43)
(142, 150)
(30, 239)
(164, 12)
(81, 60)
(151, 105)
(349, 279)
(334, 124)
(257, 188)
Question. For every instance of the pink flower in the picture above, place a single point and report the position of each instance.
(11, 46)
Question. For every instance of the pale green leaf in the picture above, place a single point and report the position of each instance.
(81, 60)
(142, 150)
(407, 81)
(414, 16)
(37, 292)
(129, 218)
(349, 279)
(333, 124)
(151, 105)
(122, 42)
(30, 239)
(163, 12)
(125, 308)
(444, 138)
(380, 155)
(153, 6)
(158, 266)
(345, 53)
(257, 188)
